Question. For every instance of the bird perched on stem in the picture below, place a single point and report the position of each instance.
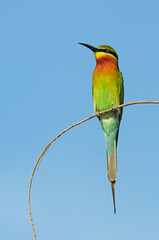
(108, 91)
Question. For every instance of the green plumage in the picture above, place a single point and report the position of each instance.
(108, 91)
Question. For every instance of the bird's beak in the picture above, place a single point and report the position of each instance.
(89, 46)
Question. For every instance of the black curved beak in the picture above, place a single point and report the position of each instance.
(90, 47)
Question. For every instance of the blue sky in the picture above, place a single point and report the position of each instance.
(46, 85)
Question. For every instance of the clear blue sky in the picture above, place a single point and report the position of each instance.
(46, 82)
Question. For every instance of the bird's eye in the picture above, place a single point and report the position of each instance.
(107, 50)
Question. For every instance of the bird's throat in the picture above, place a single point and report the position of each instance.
(106, 62)
(107, 65)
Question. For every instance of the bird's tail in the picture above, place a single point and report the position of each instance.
(112, 171)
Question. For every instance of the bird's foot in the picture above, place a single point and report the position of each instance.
(114, 110)
(98, 115)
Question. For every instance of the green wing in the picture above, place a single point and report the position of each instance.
(121, 92)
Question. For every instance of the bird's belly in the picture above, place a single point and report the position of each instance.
(105, 92)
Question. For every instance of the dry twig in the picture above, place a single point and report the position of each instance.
(59, 135)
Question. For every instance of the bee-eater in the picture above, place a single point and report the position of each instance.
(108, 91)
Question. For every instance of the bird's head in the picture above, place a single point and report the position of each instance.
(103, 52)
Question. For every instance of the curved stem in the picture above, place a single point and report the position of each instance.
(59, 135)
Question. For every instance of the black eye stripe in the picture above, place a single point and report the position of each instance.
(108, 51)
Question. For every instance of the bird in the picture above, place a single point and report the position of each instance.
(108, 91)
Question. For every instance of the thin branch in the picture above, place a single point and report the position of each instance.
(59, 135)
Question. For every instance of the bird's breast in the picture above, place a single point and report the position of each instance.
(105, 87)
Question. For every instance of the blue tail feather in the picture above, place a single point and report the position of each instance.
(110, 128)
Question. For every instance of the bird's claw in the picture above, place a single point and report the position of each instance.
(114, 110)
(98, 114)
